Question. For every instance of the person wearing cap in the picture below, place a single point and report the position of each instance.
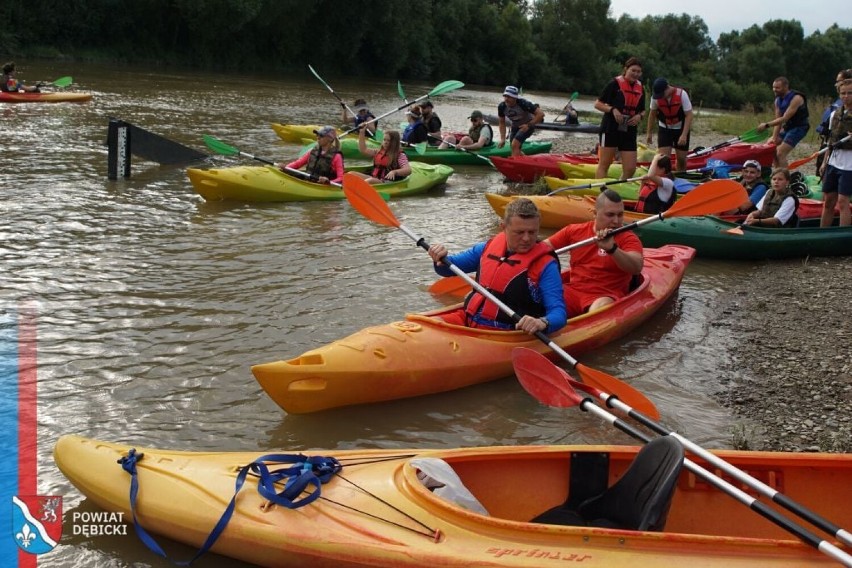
(523, 116)
(479, 135)
(791, 120)
(10, 84)
(324, 163)
(389, 162)
(416, 131)
(362, 115)
(514, 266)
(754, 185)
(671, 112)
(432, 122)
(623, 104)
(836, 170)
(657, 193)
(779, 204)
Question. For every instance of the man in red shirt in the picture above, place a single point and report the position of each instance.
(600, 274)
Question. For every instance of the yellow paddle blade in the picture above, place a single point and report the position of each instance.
(367, 201)
(715, 196)
(611, 385)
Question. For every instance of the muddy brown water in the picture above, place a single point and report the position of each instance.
(152, 303)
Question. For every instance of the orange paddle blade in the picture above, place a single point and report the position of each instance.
(734, 231)
(715, 196)
(366, 200)
(450, 286)
(802, 161)
(622, 390)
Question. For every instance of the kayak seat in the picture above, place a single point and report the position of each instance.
(635, 282)
(640, 500)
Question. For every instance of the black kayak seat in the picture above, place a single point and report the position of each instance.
(640, 500)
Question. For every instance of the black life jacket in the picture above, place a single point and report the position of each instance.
(320, 164)
(841, 125)
(772, 202)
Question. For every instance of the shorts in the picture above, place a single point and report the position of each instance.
(578, 303)
(624, 141)
(667, 138)
(521, 137)
(793, 136)
(836, 180)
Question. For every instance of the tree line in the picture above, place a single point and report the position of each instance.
(562, 45)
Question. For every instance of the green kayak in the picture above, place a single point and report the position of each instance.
(709, 237)
(432, 155)
(267, 183)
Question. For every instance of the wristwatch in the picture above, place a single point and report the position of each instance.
(613, 249)
(546, 322)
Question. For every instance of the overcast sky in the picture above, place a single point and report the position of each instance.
(727, 15)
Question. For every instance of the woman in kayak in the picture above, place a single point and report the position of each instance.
(623, 104)
(416, 131)
(10, 84)
(778, 206)
(389, 161)
(657, 193)
(324, 161)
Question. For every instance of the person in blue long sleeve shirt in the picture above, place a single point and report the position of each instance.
(522, 272)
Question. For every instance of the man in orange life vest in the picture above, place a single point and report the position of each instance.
(600, 274)
(657, 193)
(674, 109)
(523, 273)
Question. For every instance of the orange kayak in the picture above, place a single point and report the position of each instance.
(565, 208)
(424, 355)
(377, 512)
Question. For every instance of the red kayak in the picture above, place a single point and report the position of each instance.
(523, 169)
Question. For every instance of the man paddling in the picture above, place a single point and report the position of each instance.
(517, 269)
(600, 275)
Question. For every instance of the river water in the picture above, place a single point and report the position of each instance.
(151, 304)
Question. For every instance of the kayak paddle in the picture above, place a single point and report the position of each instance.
(714, 196)
(752, 135)
(563, 114)
(420, 147)
(63, 82)
(227, 150)
(330, 90)
(552, 386)
(801, 162)
(465, 150)
(440, 89)
(365, 199)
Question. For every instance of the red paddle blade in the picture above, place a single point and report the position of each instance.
(609, 384)
(366, 200)
(450, 286)
(542, 379)
(715, 196)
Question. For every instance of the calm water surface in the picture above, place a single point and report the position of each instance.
(152, 304)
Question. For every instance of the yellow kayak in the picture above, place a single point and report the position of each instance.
(269, 184)
(377, 512)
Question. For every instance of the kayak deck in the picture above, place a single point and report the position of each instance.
(377, 512)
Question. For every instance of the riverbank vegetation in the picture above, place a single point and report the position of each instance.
(537, 44)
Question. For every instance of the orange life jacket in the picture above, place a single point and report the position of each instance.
(649, 200)
(632, 94)
(382, 165)
(508, 277)
(672, 110)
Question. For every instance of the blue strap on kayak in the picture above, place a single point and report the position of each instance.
(305, 471)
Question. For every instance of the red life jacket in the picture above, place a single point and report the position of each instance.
(632, 94)
(508, 278)
(672, 110)
(649, 200)
(382, 165)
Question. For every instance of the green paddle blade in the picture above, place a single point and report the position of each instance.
(400, 91)
(420, 148)
(63, 82)
(219, 147)
(445, 87)
(573, 96)
(755, 136)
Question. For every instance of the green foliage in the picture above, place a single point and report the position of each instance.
(562, 45)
